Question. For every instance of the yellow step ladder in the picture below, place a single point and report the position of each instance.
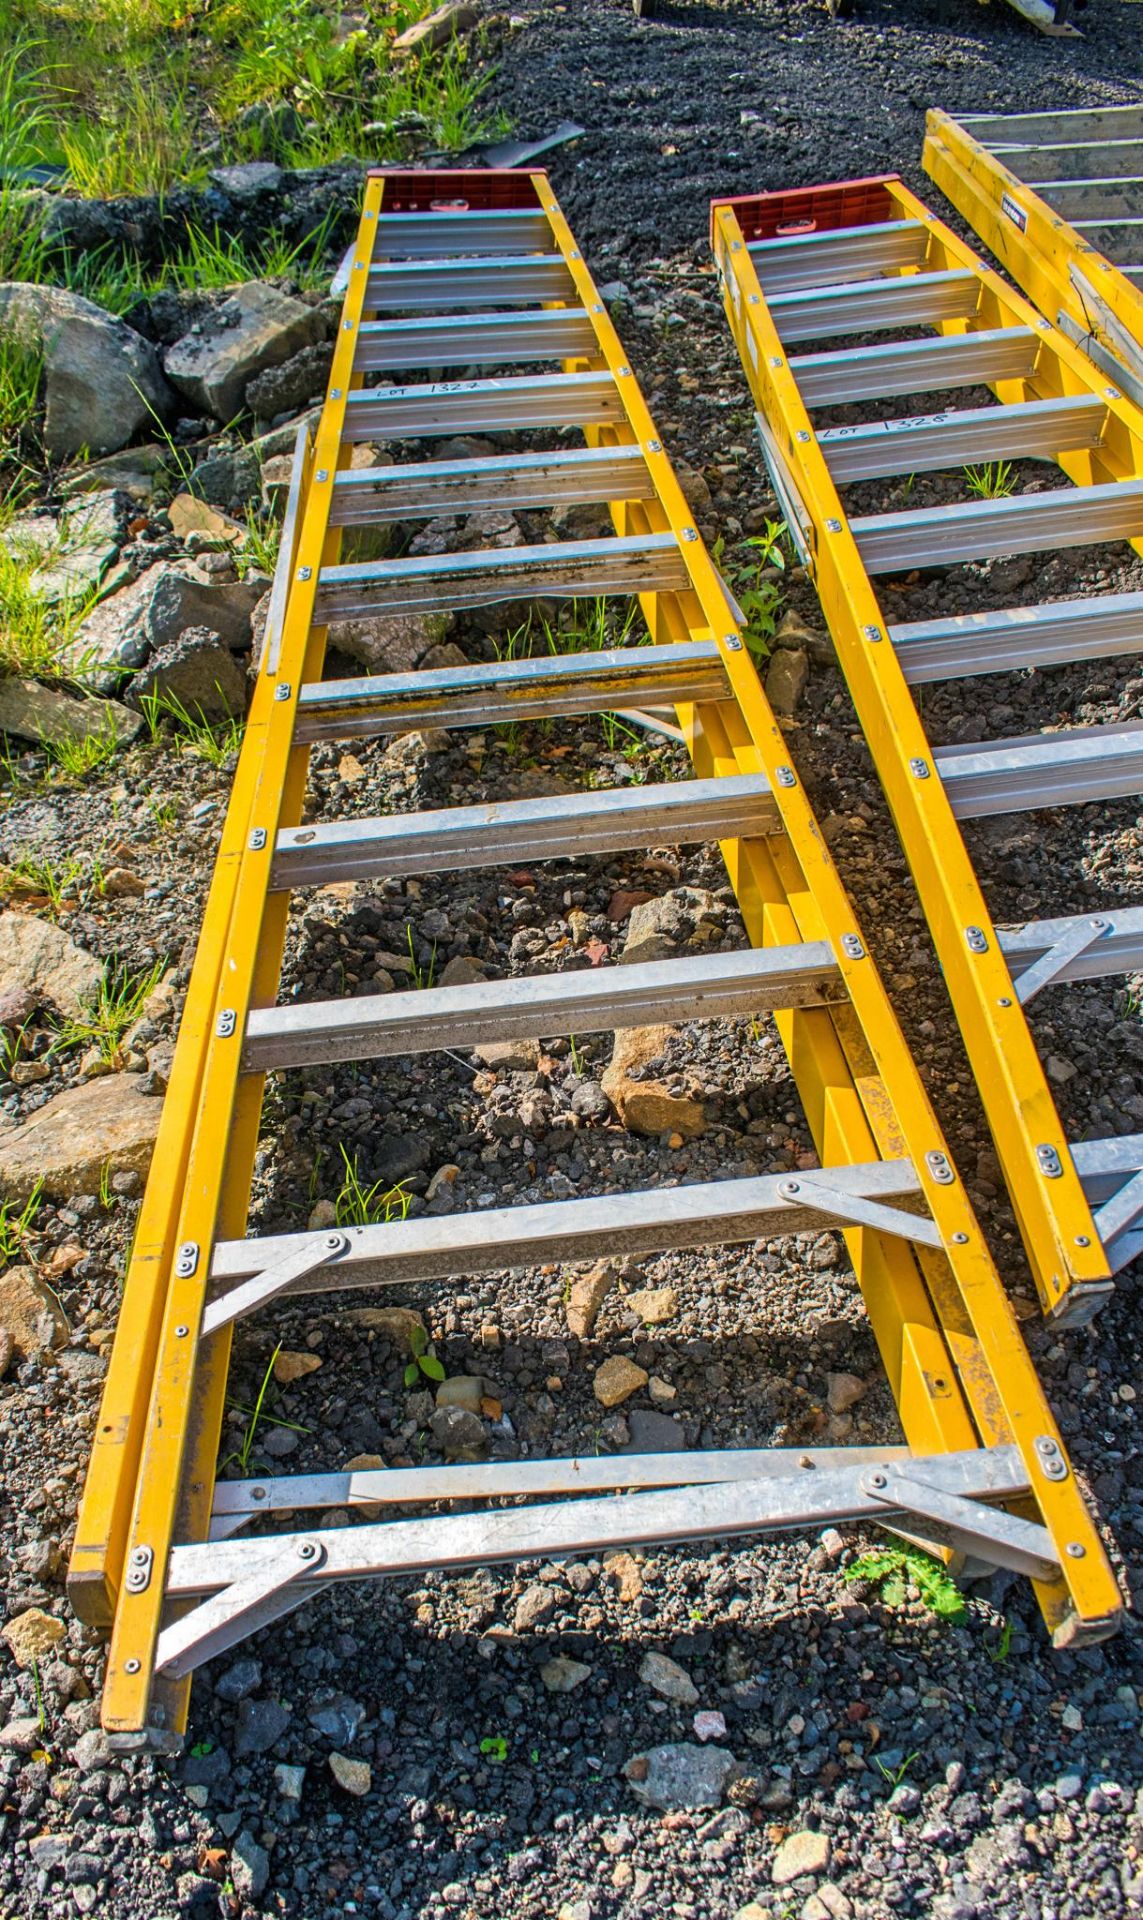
(925, 317)
(448, 271)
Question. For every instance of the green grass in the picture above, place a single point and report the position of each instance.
(76, 755)
(115, 1008)
(360, 1206)
(35, 639)
(748, 573)
(993, 481)
(21, 371)
(17, 1224)
(254, 1417)
(211, 740)
(188, 73)
(586, 626)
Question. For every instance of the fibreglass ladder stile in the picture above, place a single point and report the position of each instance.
(156, 1555)
(824, 262)
(1058, 198)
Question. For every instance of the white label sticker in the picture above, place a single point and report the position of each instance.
(1014, 212)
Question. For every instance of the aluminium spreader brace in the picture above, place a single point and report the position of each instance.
(455, 272)
(865, 257)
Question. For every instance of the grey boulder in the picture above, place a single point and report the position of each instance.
(256, 328)
(102, 380)
(198, 671)
(124, 630)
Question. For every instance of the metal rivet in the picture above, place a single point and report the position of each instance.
(305, 573)
(1049, 1161)
(131, 1666)
(787, 1187)
(939, 1167)
(335, 393)
(283, 690)
(785, 776)
(227, 1022)
(347, 325)
(623, 372)
(960, 1239)
(257, 839)
(322, 473)
(833, 526)
(775, 360)
(689, 533)
(732, 643)
(258, 1493)
(306, 1549)
(871, 633)
(1004, 1001)
(877, 1479)
(802, 435)
(181, 1333)
(1100, 926)
(1113, 393)
(919, 769)
(654, 446)
(1083, 1240)
(976, 940)
(1075, 1550)
(851, 947)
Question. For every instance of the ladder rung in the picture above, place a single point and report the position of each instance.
(802, 260)
(559, 826)
(1026, 430)
(433, 236)
(369, 1027)
(1064, 769)
(908, 300)
(1052, 634)
(1009, 132)
(491, 406)
(1106, 160)
(559, 333)
(1097, 199)
(915, 366)
(641, 563)
(1118, 950)
(481, 696)
(985, 529)
(503, 280)
(715, 1213)
(370, 496)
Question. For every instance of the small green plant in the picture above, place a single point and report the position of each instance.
(164, 813)
(254, 1417)
(895, 1775)
(758, 595)
(201, 1748)
(586, 626)
(106, 1196)
(993, 481)
(115, 1008)
(998, 1652)
(422, 977)
(41, 1716)
(17, 1225)
(893, 1569)
(360, 1206)
(424, 1361)
(214, 741)
(78, 754)
(40, 874)
(576, 1056)
(494, 1747)
(259, 551)
(617, 735)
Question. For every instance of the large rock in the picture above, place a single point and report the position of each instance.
(102, 381)
(123, 631)
(46, 715)
(256, 328)
(301, 378)
(69, 1141)
(70, 556)
(30, 1314)
(681, 1775)
(41, 967)
(32, 1636)
(199, 671)
(648, 1105)
(388, 643)
(685, 917)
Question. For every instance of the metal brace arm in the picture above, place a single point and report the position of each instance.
(1121, 1212)
(988, 1533)
(852, 1211)
(264, 1286)
(238, 1610)
(1043, 971)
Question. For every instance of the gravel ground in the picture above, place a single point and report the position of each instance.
(925, 1768)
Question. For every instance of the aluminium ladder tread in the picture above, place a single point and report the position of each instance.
(1098, 449)
(976, 1422)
